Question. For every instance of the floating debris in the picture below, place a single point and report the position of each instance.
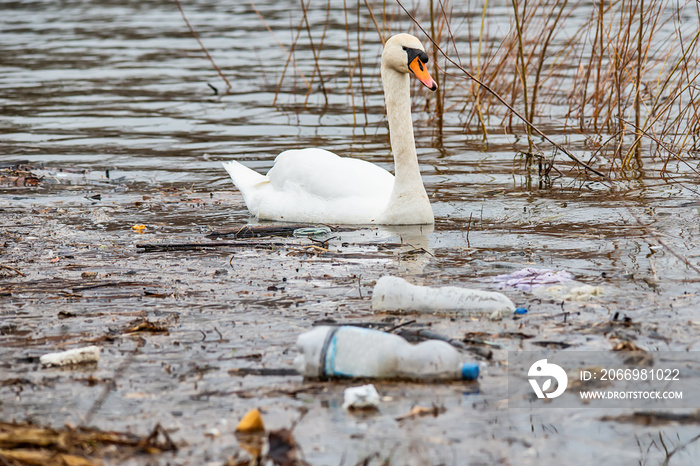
(364, 353)
(650, 418)
(255, 231)
(396, 294)
(362, 397)
(634, 355)
(573, 292)
(165, 247)
(29, 444)
(552, 344)
(259, 231)
(418, 411)
(628, 345)
(529, 278)
(73, 356)
(282, 448)
(251, 422)
(146, 326)
(311, 232)
(18, 174)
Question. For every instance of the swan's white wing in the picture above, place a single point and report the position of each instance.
(317, 186)
(328, 176)
(314, 185)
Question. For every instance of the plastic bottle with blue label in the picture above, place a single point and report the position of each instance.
(359, 352)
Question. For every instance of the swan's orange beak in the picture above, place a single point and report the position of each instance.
(421, 72)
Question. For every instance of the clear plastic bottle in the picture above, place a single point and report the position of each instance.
(359, 352)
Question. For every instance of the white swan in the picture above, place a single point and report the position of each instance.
(316, 186)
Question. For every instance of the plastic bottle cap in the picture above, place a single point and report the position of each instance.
(470, 371)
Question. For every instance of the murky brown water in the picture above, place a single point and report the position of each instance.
(121, 87)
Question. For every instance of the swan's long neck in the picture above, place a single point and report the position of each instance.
(397, 95)
(408, 198)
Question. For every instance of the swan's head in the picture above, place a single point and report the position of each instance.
(405, 53)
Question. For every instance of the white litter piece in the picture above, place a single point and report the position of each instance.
(74, 356)
(530, 278)
(396, 294)
(583, 293)
(363, 397)
(575, 292)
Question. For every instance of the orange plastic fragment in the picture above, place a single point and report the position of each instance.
(251, 422)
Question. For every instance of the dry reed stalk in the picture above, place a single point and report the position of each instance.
(314, 53)
(374, 21)
(274, 36)
(635, 77)
(201, 45)
(436, 72)
(290, 57)
(475, 89)
(439, 26)
(638, 81)
(522, 70)
(359, 64)
(351, 66)
(672, 152)
(587, 70)
(500, 99)
(625, 78)
(543, 56)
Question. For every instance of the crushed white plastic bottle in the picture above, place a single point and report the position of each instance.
(359, 352)
(396, 294)
(73, 356)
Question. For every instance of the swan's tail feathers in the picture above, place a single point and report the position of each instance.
(242, 176)
(248, 182)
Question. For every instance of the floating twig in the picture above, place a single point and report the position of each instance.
(165, 247)
(13, 269)
(264, 371)
(423, 334)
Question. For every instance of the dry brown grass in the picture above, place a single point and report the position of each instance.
(623, 73)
